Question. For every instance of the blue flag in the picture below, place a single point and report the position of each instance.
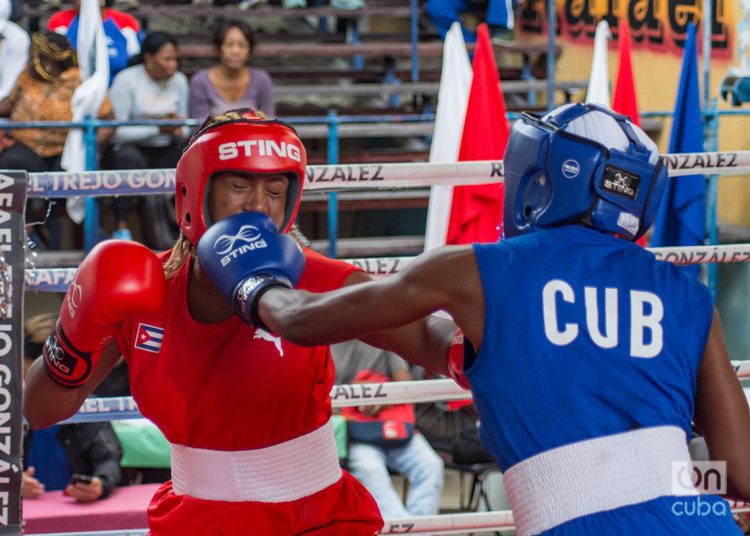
(681, 219)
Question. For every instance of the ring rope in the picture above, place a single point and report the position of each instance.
(124, 407)
(459, 523)
(58, 279)
(354, 176)
(415, 391)
(438, 524)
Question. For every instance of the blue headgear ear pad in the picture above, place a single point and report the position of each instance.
(554, 177)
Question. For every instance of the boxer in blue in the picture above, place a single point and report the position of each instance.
(588, 359)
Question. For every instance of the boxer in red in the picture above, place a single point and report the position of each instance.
(246, 413)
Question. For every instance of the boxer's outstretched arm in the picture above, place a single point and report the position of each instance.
(45, 402)
(116, 280)
(722, 414)
(444, 279)
(423, 343)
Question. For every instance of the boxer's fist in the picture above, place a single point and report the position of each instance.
(456, 354)
(116, 280)
(244, 255)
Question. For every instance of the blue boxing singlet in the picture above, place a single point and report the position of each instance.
(585, 336)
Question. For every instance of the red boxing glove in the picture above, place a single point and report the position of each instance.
(456, 360)
(116, 280)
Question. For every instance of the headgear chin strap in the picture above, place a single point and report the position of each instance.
(610, 180)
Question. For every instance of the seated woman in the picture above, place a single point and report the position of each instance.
(231, 84)
(152, 88)
(43, 92)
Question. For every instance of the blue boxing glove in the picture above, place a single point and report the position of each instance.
(244, 255)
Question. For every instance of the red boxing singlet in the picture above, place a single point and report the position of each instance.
(227, 387)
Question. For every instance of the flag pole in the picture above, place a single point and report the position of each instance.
(710, 124)
(551, 18)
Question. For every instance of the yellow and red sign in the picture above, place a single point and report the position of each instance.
(655, 24)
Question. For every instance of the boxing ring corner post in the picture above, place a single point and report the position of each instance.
(13, 186)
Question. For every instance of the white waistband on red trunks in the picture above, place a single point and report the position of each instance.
(595, 475)
(279, 473)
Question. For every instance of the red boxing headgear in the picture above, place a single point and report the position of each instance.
(243, 141)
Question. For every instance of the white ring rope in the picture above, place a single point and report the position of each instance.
(449, 523)
(355, 176)
(414, 391)
(124, 407)
(418, 391)
(58, 279)
(486, 521)
(439, 524)
(742, 368)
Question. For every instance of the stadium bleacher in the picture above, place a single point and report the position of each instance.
(358, 62)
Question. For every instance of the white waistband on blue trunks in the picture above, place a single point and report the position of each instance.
(285, 472)
(595, 475)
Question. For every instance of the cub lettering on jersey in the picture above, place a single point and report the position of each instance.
(646, 313)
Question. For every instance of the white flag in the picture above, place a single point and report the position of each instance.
(598, 90)
(14, 50)
(453, 97)
(93, 59)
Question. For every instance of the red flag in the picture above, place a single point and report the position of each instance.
(476, 211)
(625, 100)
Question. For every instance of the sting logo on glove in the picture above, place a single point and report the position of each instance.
(74, 299)
(56, 356)
(277, 260)
(67, 366)
(249, 237)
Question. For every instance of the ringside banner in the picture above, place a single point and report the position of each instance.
(12, 206)
(352, 177)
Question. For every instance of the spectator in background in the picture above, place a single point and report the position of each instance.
(121, 29)
(43, 92)
(14, 55)
(153, 88)
(383, 437)
(53, 455)
(232, 83)
(14, 49)
(499, 17)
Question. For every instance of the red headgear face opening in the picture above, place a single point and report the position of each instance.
(242, 141)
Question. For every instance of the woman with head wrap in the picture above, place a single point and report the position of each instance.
(43, 92)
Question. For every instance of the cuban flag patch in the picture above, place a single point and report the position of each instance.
(149, 338)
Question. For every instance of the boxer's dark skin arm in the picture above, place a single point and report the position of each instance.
(722, 414)
(445, 279)
(424, 342)
(46, 403)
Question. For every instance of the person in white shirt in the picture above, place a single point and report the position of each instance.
(153, 88)
(14, 49)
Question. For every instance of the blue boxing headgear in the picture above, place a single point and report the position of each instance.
(581, 163)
